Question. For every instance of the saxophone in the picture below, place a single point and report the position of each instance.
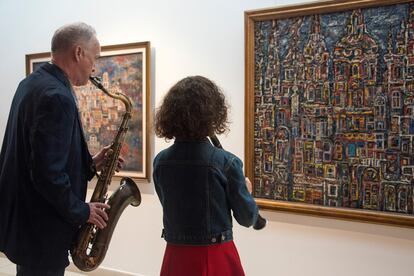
(91, 242)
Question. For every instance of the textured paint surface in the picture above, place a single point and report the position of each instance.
(334, 109)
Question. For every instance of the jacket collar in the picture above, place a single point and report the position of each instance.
(181, 140)
(57, 72)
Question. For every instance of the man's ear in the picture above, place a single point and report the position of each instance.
(78, 52)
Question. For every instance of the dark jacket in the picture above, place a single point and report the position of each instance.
(198, 186)
(44, 168)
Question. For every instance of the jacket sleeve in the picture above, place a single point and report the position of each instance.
(155, 178)
(244, 207)
(50, 141)
(91, 170)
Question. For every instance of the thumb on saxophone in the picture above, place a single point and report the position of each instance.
(97, 214)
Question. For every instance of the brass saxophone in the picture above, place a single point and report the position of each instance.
(91, 242)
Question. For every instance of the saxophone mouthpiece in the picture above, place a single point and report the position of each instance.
(97, 81)
(95, 78)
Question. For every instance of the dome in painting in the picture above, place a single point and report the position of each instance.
(358, 41)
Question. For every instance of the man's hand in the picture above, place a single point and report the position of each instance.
(102, 155)
(97, 214)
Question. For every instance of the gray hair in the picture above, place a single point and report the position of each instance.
(72, 34)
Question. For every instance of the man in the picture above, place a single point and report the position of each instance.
(44, 161)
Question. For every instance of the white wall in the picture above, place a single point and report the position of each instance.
(207, 38)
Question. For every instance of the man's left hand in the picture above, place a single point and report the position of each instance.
(103, 155)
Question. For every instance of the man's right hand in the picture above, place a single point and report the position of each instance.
(97, 214)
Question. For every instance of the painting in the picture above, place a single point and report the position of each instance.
(123, 68)
(330, 109)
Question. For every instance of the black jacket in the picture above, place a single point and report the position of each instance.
(44, 168)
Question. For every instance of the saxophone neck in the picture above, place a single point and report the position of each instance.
(116, 95)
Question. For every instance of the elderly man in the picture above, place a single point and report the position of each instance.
(45, 163)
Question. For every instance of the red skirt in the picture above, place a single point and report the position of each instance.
(211, 260)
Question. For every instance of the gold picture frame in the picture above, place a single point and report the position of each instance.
(329, 127)
(125, 67)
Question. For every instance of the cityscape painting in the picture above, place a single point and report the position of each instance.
(122, 68)
(330, 109)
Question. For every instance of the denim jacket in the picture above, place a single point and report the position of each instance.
(198, 186)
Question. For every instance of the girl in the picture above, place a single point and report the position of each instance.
(198, 184)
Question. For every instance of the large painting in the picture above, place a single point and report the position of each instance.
(124, 68)
(330, 109)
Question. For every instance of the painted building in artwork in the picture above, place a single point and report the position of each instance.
(99, 113)
(268, 65)
(311, 141)
(343, 137)
(355, 63)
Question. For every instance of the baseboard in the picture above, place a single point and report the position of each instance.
(101, 271)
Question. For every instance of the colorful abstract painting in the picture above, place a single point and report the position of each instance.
(101, 115)
(333, 108)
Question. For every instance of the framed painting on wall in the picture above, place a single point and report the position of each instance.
(124, 68)
(330, 109)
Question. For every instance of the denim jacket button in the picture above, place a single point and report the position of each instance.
(213, 240)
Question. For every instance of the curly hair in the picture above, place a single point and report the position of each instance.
(192, 109)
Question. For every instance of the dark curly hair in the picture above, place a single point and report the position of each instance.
(192, 109)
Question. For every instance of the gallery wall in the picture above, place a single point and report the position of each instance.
(204, 38)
